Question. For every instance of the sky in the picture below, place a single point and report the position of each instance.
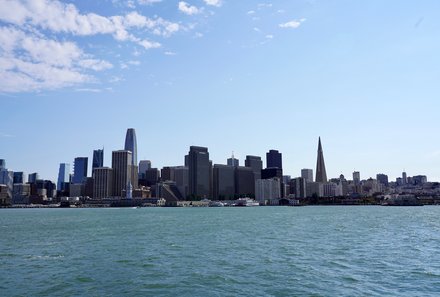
(234, 76)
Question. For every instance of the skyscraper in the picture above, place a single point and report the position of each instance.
(356, 177)
(63, 175)
(131, 145)
(98, 159)
(2, 164)
(144, 165)
(256, 164)
(20, 177)
(232, 161)
(307, 174)
(274, 159)
(33, 177)
(223, 182)
(321, 174)
(122, 171)
(80, 170)
(103, 180)
(199, 168)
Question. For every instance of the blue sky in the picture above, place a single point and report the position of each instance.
(242, 76)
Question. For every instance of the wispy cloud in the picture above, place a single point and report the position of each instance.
(34, 56)
(188, 9)
(293, 24)
(217, 3)
(6, 135)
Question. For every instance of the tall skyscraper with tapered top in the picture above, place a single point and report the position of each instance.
(321, 174)
(131, 145)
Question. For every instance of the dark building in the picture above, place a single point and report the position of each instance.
(200, 175)
(244, 182)
(152, 177)
(223, 182)
(98, 159)
(19, 178)
(122, 171)
(80, 170)
(321, 174)
(167, 173)
(256, 164)
(298, 187)
(233, 161)
(33, 177)
(269, 173)
(274, 159)
(383, 179)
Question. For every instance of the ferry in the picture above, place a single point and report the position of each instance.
(246, 202)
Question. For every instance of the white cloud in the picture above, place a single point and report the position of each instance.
(251, 12)
(170, 53)
(217, 3)
(269, 36)
(91, 90)
(187, 8)
(293, 24)
(148, 2)
(30, 62)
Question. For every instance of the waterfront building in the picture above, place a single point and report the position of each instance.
(224, 182)
(244, 181)
(298, 187)
(76, 190)
(122, 170)
(233, 161)
(98, 159)
(63, 176)
(332, 189)
(256, 164)
(21, 193)
(267, 189)
(20, 177)
(315, 188)
(321, 174)
(103, 180)
(272, 172)
(5, 197)
(274, 159)
(200, 175)
(33, 177)
(80, 170)
(307, 174)
(7, 178)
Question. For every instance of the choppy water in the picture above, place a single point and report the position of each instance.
(263, 251)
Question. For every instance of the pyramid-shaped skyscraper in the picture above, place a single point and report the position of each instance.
(321, 174)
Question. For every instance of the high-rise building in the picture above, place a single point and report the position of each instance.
(200, 174)
(98, 159)
(20, 177)
(181, 174)
(298, 187)
(223, 182)
(404, 178)
(33, 177)
(144, 165)
(356, 177)
(7, 178)
(233, 161)
(103, 181)
(2, 164)
(244, 181)
(122, 170)
(152, 176)
(383, 179)
(131, 145)
(274, 159)
(256, 164)
(80, 170)
(307, 174)
(63, 175)
(267, 189)
(321, 174)
(167, 173)
(272, 172)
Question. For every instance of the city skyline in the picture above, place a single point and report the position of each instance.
(227, 75)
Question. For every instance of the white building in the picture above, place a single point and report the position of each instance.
(267, 189)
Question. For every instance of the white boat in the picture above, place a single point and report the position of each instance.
(216, 204)
(246, 202)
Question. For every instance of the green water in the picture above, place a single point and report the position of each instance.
(261, 251)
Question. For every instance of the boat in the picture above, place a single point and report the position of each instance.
(246, 202)
(216, 204)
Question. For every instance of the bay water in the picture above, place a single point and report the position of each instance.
(254, 251)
